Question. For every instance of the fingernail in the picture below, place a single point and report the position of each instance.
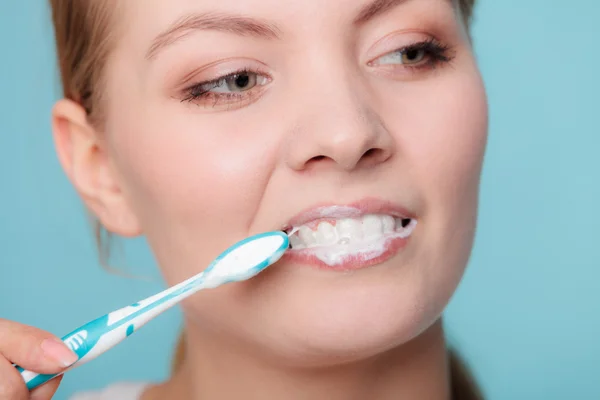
(59, 351)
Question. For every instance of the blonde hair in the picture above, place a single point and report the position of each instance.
(84, 33)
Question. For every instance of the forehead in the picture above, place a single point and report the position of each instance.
(166, 10)
(156, 20)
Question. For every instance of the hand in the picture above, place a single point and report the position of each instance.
(34, 350)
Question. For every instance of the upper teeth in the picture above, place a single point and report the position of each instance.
(347, 230)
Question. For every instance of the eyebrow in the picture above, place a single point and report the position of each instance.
(246, 26)
(238, 25)
(375, 9)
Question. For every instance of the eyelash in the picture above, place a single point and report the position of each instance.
(436, 52)
(202, 90)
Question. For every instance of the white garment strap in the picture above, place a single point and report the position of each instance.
(119, 391)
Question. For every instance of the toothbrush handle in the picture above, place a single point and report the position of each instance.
(84, 342)
(97, 336)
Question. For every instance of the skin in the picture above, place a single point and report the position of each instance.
(328, 126)
(34, 350)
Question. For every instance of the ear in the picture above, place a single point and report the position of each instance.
(85, 160)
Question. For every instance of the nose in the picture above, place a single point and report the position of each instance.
(339, 129)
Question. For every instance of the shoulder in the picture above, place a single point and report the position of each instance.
(118, 391)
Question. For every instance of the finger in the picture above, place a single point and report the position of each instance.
(47, 390)
(34, 349)
(12, 385)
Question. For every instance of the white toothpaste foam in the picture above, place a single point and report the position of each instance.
(349, 244)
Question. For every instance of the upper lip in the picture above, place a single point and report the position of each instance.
(349, 210)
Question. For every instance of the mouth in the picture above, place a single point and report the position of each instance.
(346, 237)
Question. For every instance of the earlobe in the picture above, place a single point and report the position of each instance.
(86, 163)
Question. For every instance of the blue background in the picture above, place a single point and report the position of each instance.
(527, 315)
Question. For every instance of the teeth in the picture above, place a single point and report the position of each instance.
(398, 223)
(372, 226)
(296, 242)
(389, 224)
(352, 231)
(326, 234)
(307, 236)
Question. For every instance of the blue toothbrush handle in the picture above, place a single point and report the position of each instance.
(82, 342)
(97, 336)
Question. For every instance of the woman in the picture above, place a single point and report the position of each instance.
(364, 126)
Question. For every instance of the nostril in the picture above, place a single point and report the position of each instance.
(373, 156)
(368, 158)
(316, 161)
(371, 153)
(317, 158)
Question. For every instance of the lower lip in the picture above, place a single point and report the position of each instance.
(351, 262)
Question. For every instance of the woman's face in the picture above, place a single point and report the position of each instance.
(362, 123)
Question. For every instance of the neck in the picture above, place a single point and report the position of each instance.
(416, 370)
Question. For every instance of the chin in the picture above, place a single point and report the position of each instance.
(348, 318)
(301, 315)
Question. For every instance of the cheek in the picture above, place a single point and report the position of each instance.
(456, 148)
(453, 148)
(191, 184)
(442, 134)
(445, 137)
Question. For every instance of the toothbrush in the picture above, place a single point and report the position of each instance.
(241, 261)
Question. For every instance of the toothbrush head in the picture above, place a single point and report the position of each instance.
(247, 258)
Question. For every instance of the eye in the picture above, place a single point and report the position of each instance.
(236, 83)
(428, 53)
(405, 57)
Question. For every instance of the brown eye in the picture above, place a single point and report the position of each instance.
(413, 56)
(240, 82)
(233, 87)
(417, 56)
(404, 57)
